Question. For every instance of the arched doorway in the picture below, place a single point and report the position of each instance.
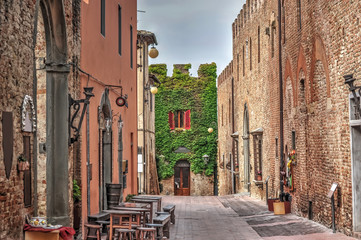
(246, 148)
(106, 143)
(182, 178)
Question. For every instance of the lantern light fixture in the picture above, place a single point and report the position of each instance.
(205, 158)
(153, 52)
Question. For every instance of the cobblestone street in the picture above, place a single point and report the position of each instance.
(239, 217)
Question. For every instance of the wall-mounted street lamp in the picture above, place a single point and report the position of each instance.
(210, 130)
(153, 52)
(349, 80)
(150, 86)
(205, 159)
(88, 92)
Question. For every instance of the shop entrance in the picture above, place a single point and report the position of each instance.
(181, 178)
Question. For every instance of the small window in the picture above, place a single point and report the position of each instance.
(131, 46)
(276, 150)
(229, 110)
(102, 17)
(119, 30)
(273, 39)
(299, 17)
(179, 119)
(293, 139)
(259, 44)
(250, 54)
(243, 62)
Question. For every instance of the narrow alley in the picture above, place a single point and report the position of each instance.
(239, 217)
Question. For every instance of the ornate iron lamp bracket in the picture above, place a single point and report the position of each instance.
(75, 104)
(349, 80)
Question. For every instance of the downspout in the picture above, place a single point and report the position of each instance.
(35, 88)
(120, 157)
(233, 152)
(88, 159)
(281, 90)
(144, 159)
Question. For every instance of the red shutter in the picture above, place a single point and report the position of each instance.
(187, 119)
(171, 120)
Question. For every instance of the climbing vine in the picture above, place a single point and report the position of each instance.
(183, 92)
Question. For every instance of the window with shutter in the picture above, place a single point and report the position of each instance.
(171, 120)
(187, 119)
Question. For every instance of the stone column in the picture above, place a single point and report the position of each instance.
(57, 176)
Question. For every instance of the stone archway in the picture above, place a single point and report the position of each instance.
(57, 137)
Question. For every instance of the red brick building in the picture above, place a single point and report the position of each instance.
(320, 43)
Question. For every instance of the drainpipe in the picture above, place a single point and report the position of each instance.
(88, 159)
(281, 90)
(233, 151)
(144, 158)
(120, 157)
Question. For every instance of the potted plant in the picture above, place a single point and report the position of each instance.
(259, 175)
(23, 163)
(77, 205)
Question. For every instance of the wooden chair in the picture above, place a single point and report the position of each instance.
(92, 231)
(125, 234)
(146, 233)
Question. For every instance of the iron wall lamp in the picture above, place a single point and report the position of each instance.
(88, 92)
(205, 159)
(349, 80)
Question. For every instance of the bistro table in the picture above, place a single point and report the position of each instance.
(122, 215)
(146, 197)
(143, 212)
(147, 201)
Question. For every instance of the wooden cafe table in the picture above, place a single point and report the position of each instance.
(137, 207)
(146, 197)
(122, 215)
(147, 201)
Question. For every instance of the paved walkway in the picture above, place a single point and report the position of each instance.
(239, 217)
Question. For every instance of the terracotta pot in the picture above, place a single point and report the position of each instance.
(259, 177)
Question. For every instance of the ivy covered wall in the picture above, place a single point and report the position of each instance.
(183, 92)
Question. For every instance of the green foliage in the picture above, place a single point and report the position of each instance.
(183, 92)
(129, 197)
(76, 191)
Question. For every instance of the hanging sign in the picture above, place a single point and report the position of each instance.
(120, 101)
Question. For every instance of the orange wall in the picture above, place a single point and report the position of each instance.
(100, 58)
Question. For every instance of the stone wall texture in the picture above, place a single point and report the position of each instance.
(320, 43)
(20, 54)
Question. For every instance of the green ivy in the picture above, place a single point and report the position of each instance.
(183, 92)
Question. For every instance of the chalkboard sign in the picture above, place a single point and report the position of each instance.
(332, 190)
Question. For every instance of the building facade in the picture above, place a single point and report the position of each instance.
(147, 170)
(185, 108)
(109, 133)
(39, 40)
(319, 44)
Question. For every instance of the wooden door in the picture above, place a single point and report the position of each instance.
(181, 181)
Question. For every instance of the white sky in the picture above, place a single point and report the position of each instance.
(190, 31)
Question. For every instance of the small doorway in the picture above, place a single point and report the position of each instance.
(181, 178)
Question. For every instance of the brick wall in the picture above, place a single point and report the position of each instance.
(17, 80)
(316, 52)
